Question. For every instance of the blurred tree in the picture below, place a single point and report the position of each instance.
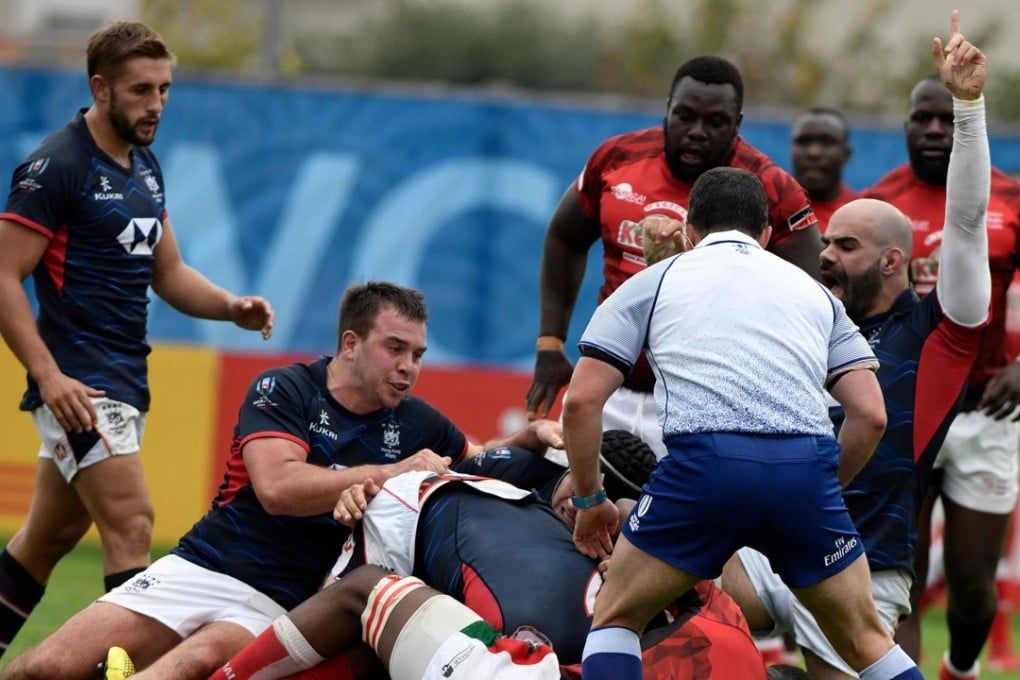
(216, 34)
(522, 42)
(535, 45)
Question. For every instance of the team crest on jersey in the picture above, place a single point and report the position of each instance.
(141, 235)
(391, 439)
(629, 234)
(151, 182)
(669, 206)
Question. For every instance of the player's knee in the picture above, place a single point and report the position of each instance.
(130, 539)
(50, 546)
(973, 599)
(38, 664)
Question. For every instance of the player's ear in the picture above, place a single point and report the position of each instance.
(100, 88)
(891, 261)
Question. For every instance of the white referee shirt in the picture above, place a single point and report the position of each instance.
(740, 340)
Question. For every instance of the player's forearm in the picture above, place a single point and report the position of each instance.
(300, 489)
(964, 284)
(18, 328)
(858, 438)
(582, 435)
(560, 282)
(189, 292)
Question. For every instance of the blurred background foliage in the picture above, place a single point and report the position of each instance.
(531, 45)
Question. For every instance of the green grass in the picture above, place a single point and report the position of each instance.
(78, 580)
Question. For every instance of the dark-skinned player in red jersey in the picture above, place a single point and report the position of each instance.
(819, 150)
(648, 174)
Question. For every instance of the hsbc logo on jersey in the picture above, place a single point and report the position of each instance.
(141, 235)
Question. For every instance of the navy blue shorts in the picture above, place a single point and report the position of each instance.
(717, 492)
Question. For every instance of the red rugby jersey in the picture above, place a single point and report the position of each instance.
(627, 178)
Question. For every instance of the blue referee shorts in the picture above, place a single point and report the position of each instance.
(717, 492)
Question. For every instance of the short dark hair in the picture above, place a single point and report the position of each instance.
(109, 48)
(362, 303)
(826, 111)
(728, 198)
(712, 70)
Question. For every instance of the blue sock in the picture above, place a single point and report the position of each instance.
(895, 665)
(611, 653)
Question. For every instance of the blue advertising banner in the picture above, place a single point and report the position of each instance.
(292, 193)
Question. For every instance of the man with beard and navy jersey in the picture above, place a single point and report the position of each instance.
(977, 467)
(647, 175)
(86, 218)
(925, 347)
(305, 433)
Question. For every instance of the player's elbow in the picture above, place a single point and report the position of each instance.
(580, 404)
(870, 421)
(274, 499)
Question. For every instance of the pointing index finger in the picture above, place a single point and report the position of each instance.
(954, 22)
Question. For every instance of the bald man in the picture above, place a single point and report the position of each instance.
(926, 348)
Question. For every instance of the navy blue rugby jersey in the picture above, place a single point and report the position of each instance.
(287, 557)
(924, 360)
(508, 561)
(103, 221)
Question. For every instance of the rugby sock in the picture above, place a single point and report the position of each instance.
(19, 594)
(895, 665)
(278, 652)
(333, 668)
(111, 581)
(611, 653)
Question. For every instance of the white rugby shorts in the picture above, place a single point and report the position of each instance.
(980, 460)
(184, 597)
(119, 426)
(890, 590)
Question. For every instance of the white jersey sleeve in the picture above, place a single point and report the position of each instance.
(618, 330)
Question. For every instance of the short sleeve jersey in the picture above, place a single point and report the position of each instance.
(924, 358)
(739, 339)
(287, 557)
(102, 221)
(925, 205)
(626, 179)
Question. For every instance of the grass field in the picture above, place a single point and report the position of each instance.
(78, 580)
